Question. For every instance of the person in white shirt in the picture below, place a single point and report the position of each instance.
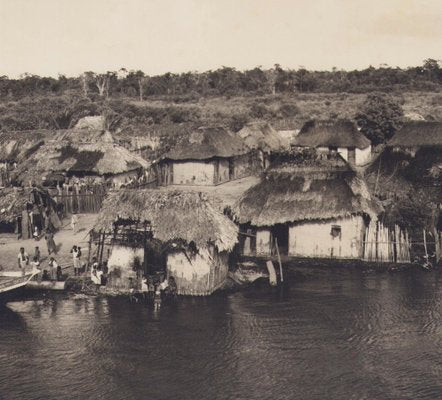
(53, 268)
(23, 260)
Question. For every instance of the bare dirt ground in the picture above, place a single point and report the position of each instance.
(65, 238)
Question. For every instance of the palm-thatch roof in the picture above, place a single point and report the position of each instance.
(17, 146)
(99, 158)
(418, 134)
(340, 133)
(306, 189)
(174, 215)
(206, 143)
(14, 200)
(261, 136)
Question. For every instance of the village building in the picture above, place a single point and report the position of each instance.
(341, 136)
(261, 138)
(93, 156)
(207, 156)
(24, 209)
(312, 206)
(195, 237)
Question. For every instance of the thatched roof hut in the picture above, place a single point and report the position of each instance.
(340, 133)
(315, 188)
(418, 134)
(75, 158)
(174, 215)
(206, 143)
(261, 136)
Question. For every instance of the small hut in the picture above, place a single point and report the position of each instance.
(261, 138)
(312, 206)
(415, 135)
(100, 158)
(208, 156)
(21, 210)
(340, 136)
(198, 236)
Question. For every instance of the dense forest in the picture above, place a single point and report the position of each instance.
(34, 102)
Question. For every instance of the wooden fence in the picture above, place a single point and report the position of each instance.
(81, 199)
(382, 244)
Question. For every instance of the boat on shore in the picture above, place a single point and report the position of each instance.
(13, 282)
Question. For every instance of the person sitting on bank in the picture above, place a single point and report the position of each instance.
(23, 260)
(53, 265)
(96, 276)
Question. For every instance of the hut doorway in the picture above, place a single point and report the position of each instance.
(231, 169)
(352, 155)
(280, 235)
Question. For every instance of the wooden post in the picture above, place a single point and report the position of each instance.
(279, 261)
(146, 272)
(425, 245)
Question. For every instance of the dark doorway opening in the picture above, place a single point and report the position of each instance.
(352, 155)
(280, 235)
(231, 169)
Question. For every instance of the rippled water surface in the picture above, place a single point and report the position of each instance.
(333, 335)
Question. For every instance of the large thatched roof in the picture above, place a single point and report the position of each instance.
(99, 158)
(418, 134)
(261, 136)
(186, 215)
(17, 146)
(207, 142)
(309, 189)
(14, 200)
(341, 133)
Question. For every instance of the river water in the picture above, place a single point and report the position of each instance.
(333, 334)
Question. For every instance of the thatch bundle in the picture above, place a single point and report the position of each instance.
(340, 133)
(261, 136)
(208, 142)
(174, 215)
(313, 189)
(418, 134)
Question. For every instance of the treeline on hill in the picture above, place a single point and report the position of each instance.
(229, 82)
(130, 98)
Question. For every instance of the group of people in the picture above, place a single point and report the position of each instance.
(54, 273)
(157, 289)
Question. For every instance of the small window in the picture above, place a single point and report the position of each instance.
(335, 231)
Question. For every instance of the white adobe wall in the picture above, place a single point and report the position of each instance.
(314, 239)
(363, 156)
(199, 274)
(193, 173)
(120, 264)
(343, 151)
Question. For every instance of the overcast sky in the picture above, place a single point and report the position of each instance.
(48, 37)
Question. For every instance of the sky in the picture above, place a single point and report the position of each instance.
(51, 37)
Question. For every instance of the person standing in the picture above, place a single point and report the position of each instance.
(23, 260)
(37, 253)
(53, 266)
(76, 260)
(144, 287)
(74, 222)
(50, 242)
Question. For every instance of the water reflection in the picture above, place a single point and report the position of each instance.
(335, 334)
